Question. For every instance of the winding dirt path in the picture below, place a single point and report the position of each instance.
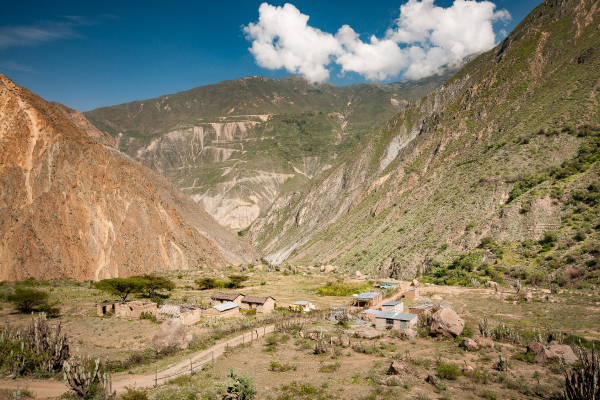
(46, 388)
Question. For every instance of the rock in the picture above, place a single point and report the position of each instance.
(447, 322)
(310, 268)
(327, 268)
(397, 368)
(358, 274)
(428, 284)
(431, 379)
(415, 282)
(436, 297)
(484, 342)
(546, 355)
(553, 343)
(172, 332)
(564, 351)
(491, 284)
(535, 347)
(469, 344)
(330, 351)
(467, 368)
(410, 334)
(446, 304)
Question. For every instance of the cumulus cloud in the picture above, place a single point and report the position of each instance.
(423, 38)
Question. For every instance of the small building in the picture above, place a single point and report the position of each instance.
(422, 309)
(189, 314)
(131, 309)
(393, 306)
(369, 315)
(388, 285)
(302, 305)
(262, 305)
(226, 297)
(338, 313)
(412, 293)
(224, 310)
(367, 299)
(390, 320)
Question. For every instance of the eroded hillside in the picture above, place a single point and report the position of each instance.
(70, 207)
(435, 179)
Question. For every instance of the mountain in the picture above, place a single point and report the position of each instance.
(235, 146)
(505, 152)
(71, 206)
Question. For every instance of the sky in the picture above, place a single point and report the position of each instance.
(92, 54)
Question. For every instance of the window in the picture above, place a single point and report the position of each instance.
(389, 321)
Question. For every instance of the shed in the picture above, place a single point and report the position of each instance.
(303, 305)
(130, 309)
(224, 310)
(412, 293)
(422, 309)
(387, 285)
(390, 320)
(393, 306)
(189, 314)
(367, 299)
(263, 305)
(226, 297)
(369, 315)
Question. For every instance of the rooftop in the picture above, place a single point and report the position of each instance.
(256, 299)
(367, 295)
(302, 303)
(225, 306)
(371, 311)
(225, 296)
(397, 316)
(422, 306)
(392, 303)
(411, 290)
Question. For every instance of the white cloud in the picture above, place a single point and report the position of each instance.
(424, 38)
(13, 66)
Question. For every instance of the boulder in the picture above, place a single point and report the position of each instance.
(484, 342)
(410, 334)
(535, 347)
(467, 368)
(397, 368)
(358, 274)
(553, 343)
(172, 332)
(327, 268)
(469, 344)
(447, 322)
(431, 379)
(415, 282)
(546, 355)
(564, 351)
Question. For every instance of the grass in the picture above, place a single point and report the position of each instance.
(343, 289)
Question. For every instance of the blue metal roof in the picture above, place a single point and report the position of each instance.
(398, 316)
(225, 306)
(301, 303)
(391, 303)
(367, 295)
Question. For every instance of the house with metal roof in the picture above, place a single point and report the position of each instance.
(302, 305)
(225, 297)
(392, 320)
(224, 310)
(393, 306)
(367, 299)
(412, 294)
(369, 315)
(262, 305)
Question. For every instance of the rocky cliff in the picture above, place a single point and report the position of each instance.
(71, 207)
(436, 178)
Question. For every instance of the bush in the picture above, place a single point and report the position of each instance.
(51, 310)
(133, 394)
(527, 357)
(149, 316)
(448, 371)
(343, 289)
(277, 367)
(25, 300)
(241, 387)
(330, 368)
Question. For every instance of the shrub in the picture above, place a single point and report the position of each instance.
(51, 310)
(448, 371)
(25, 300)
(489, 395)
(330, 368)
(149, 316)
(527, 357)
(242, 387)
(133, 394)
(277, 367)
(550, 237)
(342, 289)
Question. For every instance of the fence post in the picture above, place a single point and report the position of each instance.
(156, 377)
(191, 368)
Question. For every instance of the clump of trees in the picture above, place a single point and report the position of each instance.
(27, 299)
(234, 282)
(150, 285)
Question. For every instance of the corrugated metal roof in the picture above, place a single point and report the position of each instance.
(398, 316)
(391, 303)
(225, 306)
(410, 290)
(367, 295)
(301, 303)
(387, 283)
(371, 311)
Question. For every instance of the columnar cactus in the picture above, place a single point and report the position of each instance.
(79, 374)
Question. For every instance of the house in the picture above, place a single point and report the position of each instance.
(412, 293)
(369, 315)
(367, 299)
(393, 306)
(422, 309)
(302, 305)
(387, 285)
(262, 305)
(189, 314)
(391, 320)
(225, 297)
(224, 310)
(131, 309)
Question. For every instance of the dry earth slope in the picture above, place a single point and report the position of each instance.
(436, 178)
(71, 207)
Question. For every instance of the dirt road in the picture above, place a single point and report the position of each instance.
(45, 388)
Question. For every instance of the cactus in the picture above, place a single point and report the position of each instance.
(80, 374)
(475, 282)
(583, 381)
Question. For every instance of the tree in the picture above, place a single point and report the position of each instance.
(155, 283)
(237, 280)
(26, 299)
(121, 287)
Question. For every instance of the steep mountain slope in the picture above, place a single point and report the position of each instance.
(236, 145)
(435, 179)
(71, 207)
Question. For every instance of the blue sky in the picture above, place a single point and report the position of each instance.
(92, 54)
